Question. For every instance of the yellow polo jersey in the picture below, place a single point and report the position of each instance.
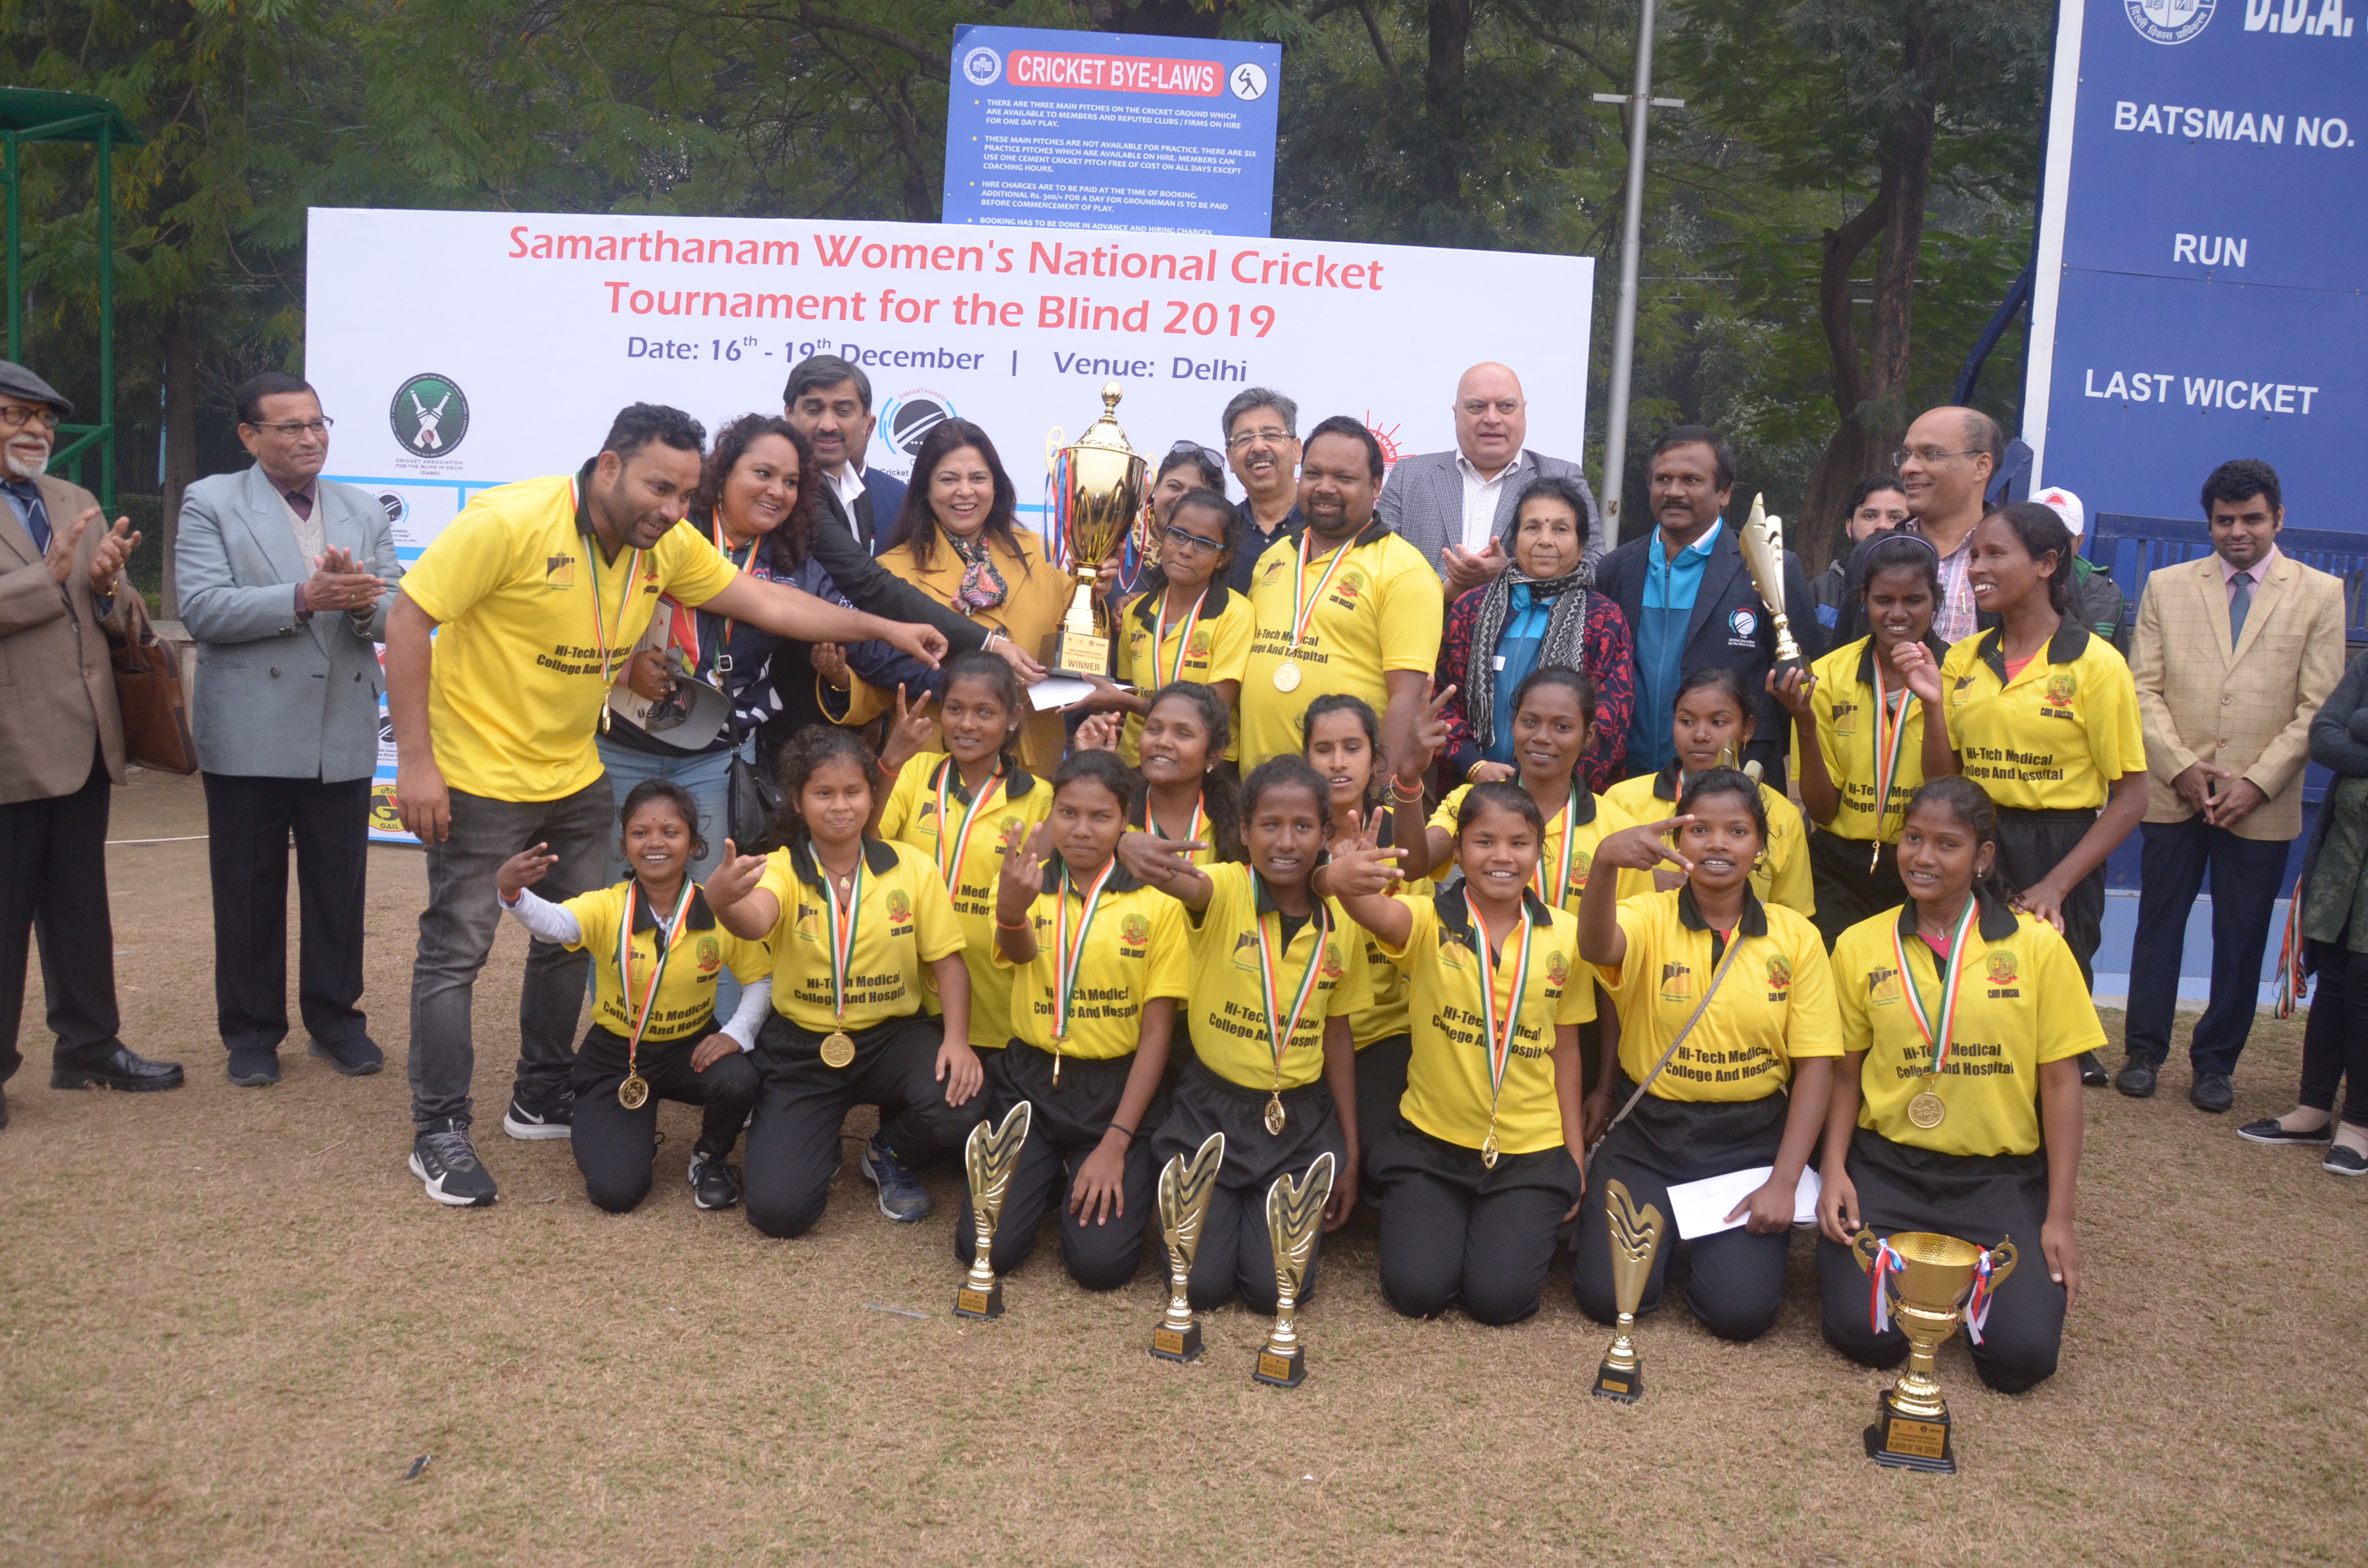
(1447, 1077)
(1382, 609)
(1219, 650)
(904, 923)
(1014, 805)
(1775, 1006)
(1597, 817)
(1134, 954)
(1653, 797)
(2054, 738)
(1846, 736)
(1229, 1019)
(513, 704)
(2020, 1002)
(1385, 979)
(686, 998)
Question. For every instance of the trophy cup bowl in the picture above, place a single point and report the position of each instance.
(989, 1158)
(1294, 1218)
(1184, 1193)
(1097, 488)
(1762, 540)
(1635, 1236)
(1928, 1295)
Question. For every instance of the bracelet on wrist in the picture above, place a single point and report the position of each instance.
(1130, 1134)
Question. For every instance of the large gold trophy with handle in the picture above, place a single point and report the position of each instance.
(1762, 540)
(1184, 1193)
(1928, 1282)
(1098, 487)
(1294, 1217)
(1635, 1236)
(990, 1158)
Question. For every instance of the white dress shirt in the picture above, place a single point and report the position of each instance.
(1481, 497)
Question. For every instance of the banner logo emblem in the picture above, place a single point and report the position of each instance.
(982, 65)
(1247, 81)
(910, 417)
(430, 416)
(2169, 21)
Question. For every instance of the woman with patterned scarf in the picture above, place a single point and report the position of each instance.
(1538, 613)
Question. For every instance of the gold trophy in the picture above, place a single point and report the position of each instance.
(1184, 1194)
(1097, 488)
(1928, 1278)
(1762, 539)
(1294, 1217)
(1634, 1238)
(990, 1158)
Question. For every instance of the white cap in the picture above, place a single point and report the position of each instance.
(2067, 507)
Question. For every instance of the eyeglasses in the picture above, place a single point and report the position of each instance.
(1176, 535)
(1270, 434)
(1191, 449)
(291, 428)
(1925, 455)
(18, 417)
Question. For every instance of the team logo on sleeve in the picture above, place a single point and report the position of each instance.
(2060, 687)
(710, 955)
(1332, 966)
(1200, 645)
(1348, 585)
(900, 908)
(2002, 966)
(1557, 971)
(430, 416)
(1134, 931)
(1780, 972)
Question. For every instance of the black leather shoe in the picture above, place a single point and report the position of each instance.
(2093, 1070)
(254, 1066)
(2136, 1078)
(355, 1058)
(121, 1068)
(2213, 1092)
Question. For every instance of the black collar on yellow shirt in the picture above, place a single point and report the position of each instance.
(1016, 783)
(2071, 640)
(879, 858)
(1264, 901)
(1996, 921)
(1456, 914)
(1213, 605)
(701, 917)
(1754, 922)
(1120, 879)
(1866, 658)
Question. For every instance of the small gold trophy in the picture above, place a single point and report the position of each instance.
(1184, 1194)
(1294, 1217)
(990, 1158)
(1634, 1238)
(1926, 1280)
(1097, 486)
(1762, 539)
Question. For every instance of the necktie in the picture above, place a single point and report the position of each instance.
(37, 517)
(2240, 601)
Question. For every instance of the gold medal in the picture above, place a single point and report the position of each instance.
(837, 1048)
(1274, 1114)
(1927, 1110)
(1286, 676)
(1056, 1064)
(1488, 1151)
(634, 1092)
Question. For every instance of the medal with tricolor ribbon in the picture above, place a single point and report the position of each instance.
(1069, 954)
(1928, 1109)
(1499, 1036)
(1887, 749)
(1552, 894)
(953, 847)
(1183, 639)
(1302, 610)
(838, 1047)
(1268, 994)
(634, 1092)
(601, 619)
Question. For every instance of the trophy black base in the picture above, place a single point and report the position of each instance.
(970, 1301)
(1908, 1442)
(1280, 1371)
(1177, 1344)
(1626, 1386)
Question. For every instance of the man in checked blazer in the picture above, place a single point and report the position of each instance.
(2233, 656)
(1456, 507)
(285, 579)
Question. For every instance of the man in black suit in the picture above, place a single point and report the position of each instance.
(829, 400)
(1691, 605)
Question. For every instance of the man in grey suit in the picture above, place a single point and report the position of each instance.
(285, 580)
(1455, 506)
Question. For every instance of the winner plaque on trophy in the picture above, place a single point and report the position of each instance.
(1097, 488)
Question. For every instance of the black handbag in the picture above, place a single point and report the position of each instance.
(752, 799)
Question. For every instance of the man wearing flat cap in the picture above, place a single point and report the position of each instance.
(60, 749)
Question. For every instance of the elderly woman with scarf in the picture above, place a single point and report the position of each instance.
(1539, 613)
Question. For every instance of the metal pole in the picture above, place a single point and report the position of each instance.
(1641, 102)
(106, 314)
(16, 295)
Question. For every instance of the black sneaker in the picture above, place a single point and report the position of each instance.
(2271, 1129)
(445, 1161)
(355, 1058)
(2345, 1161)
(714, 1183)
(901, 1197)
(532, 1120)
(254, 1066)
(2136, 1078)
(2093, 1070)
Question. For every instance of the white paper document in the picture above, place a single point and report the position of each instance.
(1700, 1207)
(1058, 691)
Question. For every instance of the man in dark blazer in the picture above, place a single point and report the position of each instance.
(285, 579)
(829, 400)
(61, 750)
(1690, 604)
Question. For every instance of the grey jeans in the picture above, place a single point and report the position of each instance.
(456, 932)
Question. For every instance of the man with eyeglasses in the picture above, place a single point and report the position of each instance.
(1944, 466)
(1262, 448)
(285, 581)
(60, 751)
(1456, 507)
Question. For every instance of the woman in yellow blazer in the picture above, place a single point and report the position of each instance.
(958, 541)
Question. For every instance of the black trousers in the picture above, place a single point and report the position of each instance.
(615, 1148)
(249, 822)
(2030, 845)
(1847, 892)
(1452, 1231)
(1738, 1277)
(2335, 1038)
(2246, 873)
(1234, 1253)
(1381, 1090)
(53, 888)
(1982, 1199)
(801, 1103)
(1065, 1125)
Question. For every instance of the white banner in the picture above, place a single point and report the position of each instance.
(460, 351)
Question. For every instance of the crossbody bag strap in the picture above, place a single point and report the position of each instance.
(1719, 974)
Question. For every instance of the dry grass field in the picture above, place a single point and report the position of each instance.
(232, 1324)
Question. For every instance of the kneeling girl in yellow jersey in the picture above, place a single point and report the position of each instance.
(1098, 965)
(657, 956)
(854, 922)
(1189, 791)
(1727, 1040)
(1275, 980)
(1957, 1108)
(1484, 1168)
(1712, 721)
